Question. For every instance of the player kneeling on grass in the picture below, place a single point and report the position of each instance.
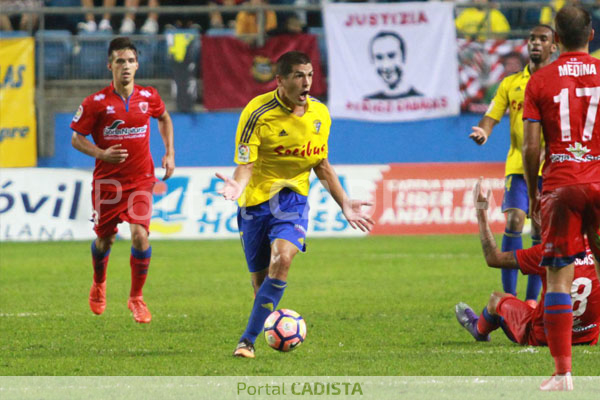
(118, 118)
(521, 323)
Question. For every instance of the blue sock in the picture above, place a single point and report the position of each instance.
(266, 301)
(96, 253)
(510, 241)
(534, 282)
(492, 319)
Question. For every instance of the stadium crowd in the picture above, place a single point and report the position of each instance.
(477, 18)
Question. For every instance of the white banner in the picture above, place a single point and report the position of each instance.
(392, 61)
(45, 204)
(55, 204)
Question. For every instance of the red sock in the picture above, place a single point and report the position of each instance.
(139, 261)
(100, 265)
(99, 262)
(484, 327)
(558, 325)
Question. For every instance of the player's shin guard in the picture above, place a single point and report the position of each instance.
(487, 322)
(510, 241)
(267, 298)
(558, 323)
(99, 262)
(139, 261)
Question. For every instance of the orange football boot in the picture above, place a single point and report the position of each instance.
(98, 297)
(139, 309)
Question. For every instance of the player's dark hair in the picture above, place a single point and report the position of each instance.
(513, 54)
(121, 43)
(287, 60)
(389, 34)
(573, 25)
(551, 29)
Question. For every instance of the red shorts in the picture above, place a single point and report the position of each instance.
(517, 317)
(567, 213)
(112, 208)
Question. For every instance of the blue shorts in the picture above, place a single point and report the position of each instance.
(515, 193)
(284, 216)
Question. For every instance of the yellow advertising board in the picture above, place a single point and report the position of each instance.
(17, 103)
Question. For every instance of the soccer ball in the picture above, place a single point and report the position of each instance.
(285, 330)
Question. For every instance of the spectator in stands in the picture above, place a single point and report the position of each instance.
(151, 24)
(128, 24)
(512, 62)
(479, 21)
(26, 21)
(246, 22)
(90, 22)
(224, 20)
(547, 13)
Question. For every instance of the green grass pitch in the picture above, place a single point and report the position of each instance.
(373, 306)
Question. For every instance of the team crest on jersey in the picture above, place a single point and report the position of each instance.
(243, 153)
(317, 125)
(78, 114)
(578, 151)
(144, 106)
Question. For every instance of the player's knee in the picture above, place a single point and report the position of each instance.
(104, 244)
(283, 261)
(495, 298)
(139, 239)
(515, 220)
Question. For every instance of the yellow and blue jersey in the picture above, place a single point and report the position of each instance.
(511, 95)
(283, 147)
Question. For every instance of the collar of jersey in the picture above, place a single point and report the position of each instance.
(573, 54)
(286, 108)
(526, 71)
(112, 86)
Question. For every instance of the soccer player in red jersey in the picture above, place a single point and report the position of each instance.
(118, 118)
(562, 98)
(521, 323)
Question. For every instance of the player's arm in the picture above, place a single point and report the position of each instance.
(493, 257)
(531, 164)
(165, 127)
(483, 130)
(113, 155)
(352, 209)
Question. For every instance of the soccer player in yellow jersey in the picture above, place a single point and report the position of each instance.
(281, 136)
(515, 204)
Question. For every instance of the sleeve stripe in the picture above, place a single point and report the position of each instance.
(251, 123)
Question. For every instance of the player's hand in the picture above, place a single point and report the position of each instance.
(356, 216)
(535, 210)
(168, 163)
(481, 200)
(478, 135)
(114, 154)
(231, 190)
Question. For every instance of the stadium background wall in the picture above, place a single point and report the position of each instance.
(207, 139)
